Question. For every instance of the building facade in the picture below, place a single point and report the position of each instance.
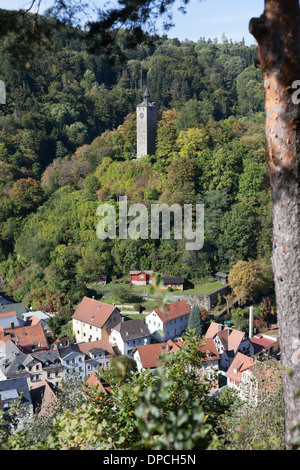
(169, 324)
(93, 320)
(140, 278)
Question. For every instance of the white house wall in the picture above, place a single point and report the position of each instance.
(161, 331)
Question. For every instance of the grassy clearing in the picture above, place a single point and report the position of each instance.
(202, 289)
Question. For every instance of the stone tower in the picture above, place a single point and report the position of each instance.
(146, 121)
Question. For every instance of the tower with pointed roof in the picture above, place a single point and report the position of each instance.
(146, 115)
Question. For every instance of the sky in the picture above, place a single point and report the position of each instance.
(206, 18)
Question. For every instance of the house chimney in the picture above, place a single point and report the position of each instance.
(12, 325)
(251, 322)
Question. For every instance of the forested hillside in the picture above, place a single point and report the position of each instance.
(68, 142)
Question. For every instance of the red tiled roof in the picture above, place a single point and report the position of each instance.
(42, 393)
(93, 312)
(27, 335)
(260, 342)
(172, 311)
(12, 313)
(94, 379)
(99, 344)
(213, 329)
(208, 347)
(239, 365)
(230, 338)
(149, 353)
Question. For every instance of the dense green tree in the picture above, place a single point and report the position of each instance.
(196, 322)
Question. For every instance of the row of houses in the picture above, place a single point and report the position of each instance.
(175, 283)
(95, 320)
(28, 354)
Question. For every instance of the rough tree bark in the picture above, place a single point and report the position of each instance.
(277, 34)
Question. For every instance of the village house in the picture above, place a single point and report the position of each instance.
(44, 398)
(129, 334)
(140, 278)
(229, 342)
(262, 377)
(93, 320)
(18, 307)
(35, 366)
(174, 283)
(223, 277)
(240, 364)
(13, 390)
(147, 356)
(35, 317)
(11, 360)
(265, 345)
(9, 320)
(73, 360)
(98, 354)
(43, 365)
(210, 362)
(82, 359)
(27, 338)
(168, 324)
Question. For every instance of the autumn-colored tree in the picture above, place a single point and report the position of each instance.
(26, 194)
(192, 142)
(181, 180)
(249, 279)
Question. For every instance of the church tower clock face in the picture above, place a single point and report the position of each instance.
(141, 115)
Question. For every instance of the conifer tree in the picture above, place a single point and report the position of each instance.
(195, 321)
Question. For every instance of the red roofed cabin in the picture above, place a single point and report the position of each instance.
(93, 320)
(141, 278)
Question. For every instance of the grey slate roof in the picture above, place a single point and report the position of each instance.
(19, 308)
(11, 359)
(9, 387)
(47, 358)
(173, 280)
(66, 350)
(132, 329)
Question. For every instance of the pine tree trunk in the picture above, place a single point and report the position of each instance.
(277, 34)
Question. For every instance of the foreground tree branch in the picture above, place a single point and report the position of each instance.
(277, 34)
